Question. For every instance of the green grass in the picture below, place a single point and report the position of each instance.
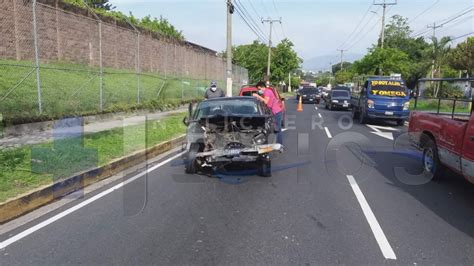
(65, 157)
(73, 89)
(446, 106)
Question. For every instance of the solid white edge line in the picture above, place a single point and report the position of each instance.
(58, 216)
(327, 132)
(384, 245)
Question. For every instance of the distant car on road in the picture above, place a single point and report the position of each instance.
(338, 99)
(229, 130)
(309, 95)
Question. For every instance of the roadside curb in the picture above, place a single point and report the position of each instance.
(43, 195)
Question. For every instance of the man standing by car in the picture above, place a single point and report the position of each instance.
(267, 96)
(213, 91)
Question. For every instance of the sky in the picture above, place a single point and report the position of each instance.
(316, 27)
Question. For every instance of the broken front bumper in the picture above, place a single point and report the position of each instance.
(244, 154)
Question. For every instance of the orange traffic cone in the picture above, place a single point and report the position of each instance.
(300, 106)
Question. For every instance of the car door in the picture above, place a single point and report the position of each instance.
(468, 151)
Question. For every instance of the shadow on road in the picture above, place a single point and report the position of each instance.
(451, 197)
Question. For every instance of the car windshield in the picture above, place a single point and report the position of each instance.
(226, 107)
(388, 88)
(249, 92)
(340, 94)
(310, 90)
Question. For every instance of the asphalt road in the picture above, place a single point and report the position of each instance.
(337, 196)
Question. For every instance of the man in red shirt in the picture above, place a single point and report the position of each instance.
(267, 96)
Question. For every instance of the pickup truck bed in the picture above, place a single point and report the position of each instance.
(446, 141)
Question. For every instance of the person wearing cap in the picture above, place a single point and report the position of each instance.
(214, 91)
(266, 95)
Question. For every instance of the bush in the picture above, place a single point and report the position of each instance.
(446, 90)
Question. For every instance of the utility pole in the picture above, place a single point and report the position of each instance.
(271, 21)
(384, 5)
(289, 82)
(230, 11)
(434, 27)
(342, 54)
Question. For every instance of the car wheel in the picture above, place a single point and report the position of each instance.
(190, 166)
(330, 107)
(265, 167)
(431, 162)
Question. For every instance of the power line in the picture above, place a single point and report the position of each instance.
(454, 17)
(264, 8)
(278, 14)
(254, 10)
(464, 35)
(456, 24)
(357, 40)
(249, 17)
(276, 9)
(445, 21)
(384, 10)
(358, 25)
(365, 34)
(423, 12)
(262, 39)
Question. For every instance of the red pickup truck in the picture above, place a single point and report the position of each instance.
(447, 141)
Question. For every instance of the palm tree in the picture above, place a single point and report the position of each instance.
(438, 54)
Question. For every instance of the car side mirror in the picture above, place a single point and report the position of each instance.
(186, 121)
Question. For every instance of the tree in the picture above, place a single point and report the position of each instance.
(337, 67)
(397, 35)
(100, 4)
(383, 62)
(461, 58)
(254, 58)
(397, 32)
(438, 53)
(323, 79)
(285, 60)
(344, 76)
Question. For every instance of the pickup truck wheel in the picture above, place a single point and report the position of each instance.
(431, 162)
(265, 167)
(355, 114)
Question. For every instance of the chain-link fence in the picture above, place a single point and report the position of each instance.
(58, 60)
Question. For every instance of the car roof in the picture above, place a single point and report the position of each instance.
(249, 98)
(248, 89)
(386, 78)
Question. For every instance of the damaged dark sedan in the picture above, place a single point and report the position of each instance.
(229, 130)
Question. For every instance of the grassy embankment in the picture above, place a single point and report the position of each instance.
(73, 89)
(20, 173)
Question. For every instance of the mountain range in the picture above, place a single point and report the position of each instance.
(324, 62)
